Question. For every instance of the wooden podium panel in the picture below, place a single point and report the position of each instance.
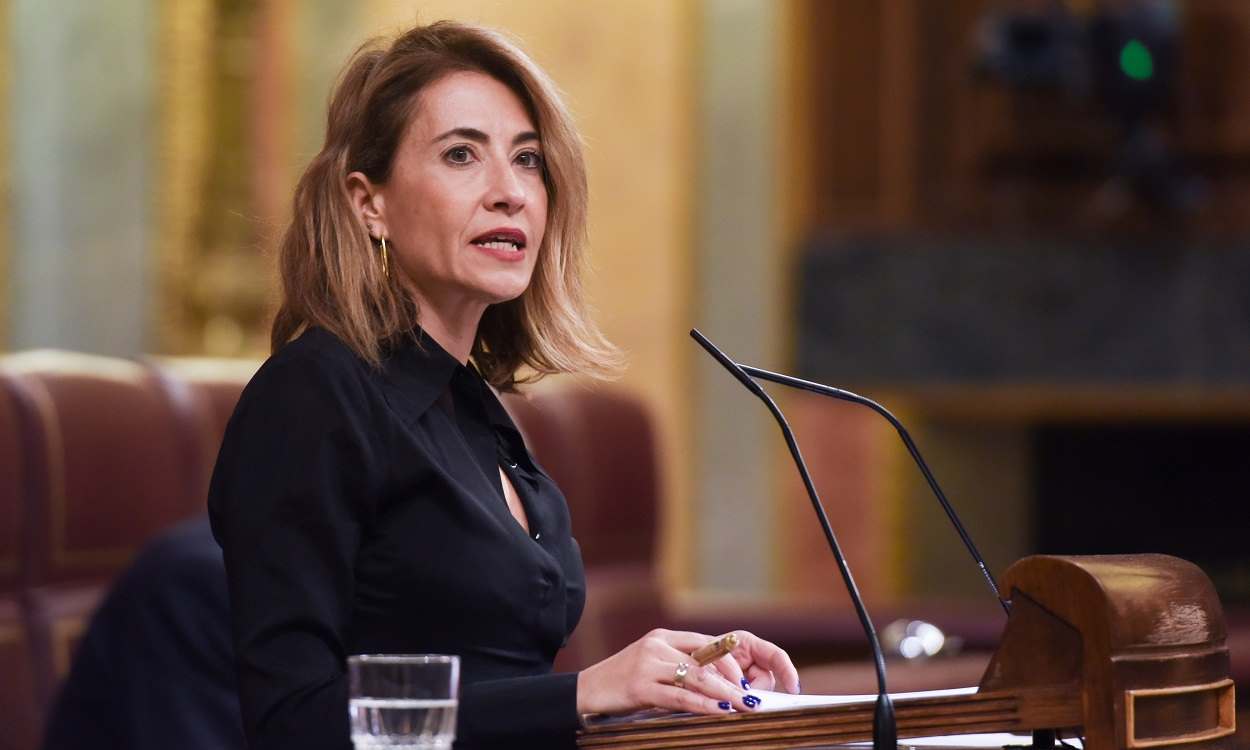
(1127, 651)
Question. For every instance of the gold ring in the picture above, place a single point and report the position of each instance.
(679, 676)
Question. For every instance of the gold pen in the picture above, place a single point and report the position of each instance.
(705, 655)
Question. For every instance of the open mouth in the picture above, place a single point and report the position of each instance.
(509, 240)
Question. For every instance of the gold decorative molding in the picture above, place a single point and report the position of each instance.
(222, 132)
(184, 69)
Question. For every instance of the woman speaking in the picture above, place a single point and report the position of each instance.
(371, 494)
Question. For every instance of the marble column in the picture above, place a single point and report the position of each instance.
(738, 291)
(80, 121)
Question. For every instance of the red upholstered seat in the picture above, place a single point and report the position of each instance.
(608, 468)
(19, 713)
(109, 455)
(20, 716)
(111, 461)
(599, 447)
(12, 477)
(217, 385)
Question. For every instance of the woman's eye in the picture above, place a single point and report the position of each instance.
(459, 155)
(529, 159)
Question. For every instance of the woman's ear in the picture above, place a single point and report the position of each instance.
(368, 204)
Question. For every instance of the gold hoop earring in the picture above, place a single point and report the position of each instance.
(386, 271)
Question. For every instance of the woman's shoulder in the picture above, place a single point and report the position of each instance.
(315, 363)
(318, 345)
(313, 400)
(319, 349)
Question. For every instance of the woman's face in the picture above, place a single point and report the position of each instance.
(465, 206)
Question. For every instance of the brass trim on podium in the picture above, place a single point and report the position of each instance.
(1226, 715)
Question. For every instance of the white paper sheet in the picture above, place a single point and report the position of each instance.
(772, 701)
(990, 740)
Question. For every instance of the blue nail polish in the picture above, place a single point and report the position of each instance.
(724, 705)
(751, 701)
(745, 685)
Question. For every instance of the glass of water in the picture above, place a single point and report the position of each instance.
(403, 702)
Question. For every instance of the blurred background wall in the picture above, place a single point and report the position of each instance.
(1019, 223)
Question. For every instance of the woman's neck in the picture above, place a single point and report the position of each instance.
(453, 326)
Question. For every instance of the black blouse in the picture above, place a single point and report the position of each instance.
(360, 511)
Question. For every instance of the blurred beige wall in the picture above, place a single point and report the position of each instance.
(78, 153)
(6, 217)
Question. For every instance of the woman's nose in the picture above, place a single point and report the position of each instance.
(506, 191)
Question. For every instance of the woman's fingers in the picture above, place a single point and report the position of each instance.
(707, 681)
(681, 699)
(684, 640)
(691, 642)
(759, 657)
(645, 673)
(760, 678)
(772, 665)
(707, 691)
(729, 668)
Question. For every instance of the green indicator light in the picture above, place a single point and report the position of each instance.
(1136, 62)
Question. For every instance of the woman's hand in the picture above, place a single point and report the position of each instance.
(763, 664)
(643, 674)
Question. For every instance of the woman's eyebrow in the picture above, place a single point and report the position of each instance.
(477, 136)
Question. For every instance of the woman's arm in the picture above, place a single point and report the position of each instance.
(289, 494)
(519, 712)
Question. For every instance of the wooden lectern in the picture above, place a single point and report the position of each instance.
(1125, 650)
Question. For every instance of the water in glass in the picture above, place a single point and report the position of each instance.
(403, 723)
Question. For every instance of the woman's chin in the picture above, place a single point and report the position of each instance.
(507, 297)
(498, 290)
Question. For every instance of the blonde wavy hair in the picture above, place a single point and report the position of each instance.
(331, 275)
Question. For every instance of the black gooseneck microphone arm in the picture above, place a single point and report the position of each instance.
(884, 727)
(855, 398)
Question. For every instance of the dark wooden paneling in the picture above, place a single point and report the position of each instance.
(904, 135)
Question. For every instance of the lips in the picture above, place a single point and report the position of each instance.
(501, 238)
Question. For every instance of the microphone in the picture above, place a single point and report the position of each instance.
(1040, 738)
(855, 398)
(884, 727)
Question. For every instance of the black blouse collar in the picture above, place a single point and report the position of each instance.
(423, 370)
(420, 368)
